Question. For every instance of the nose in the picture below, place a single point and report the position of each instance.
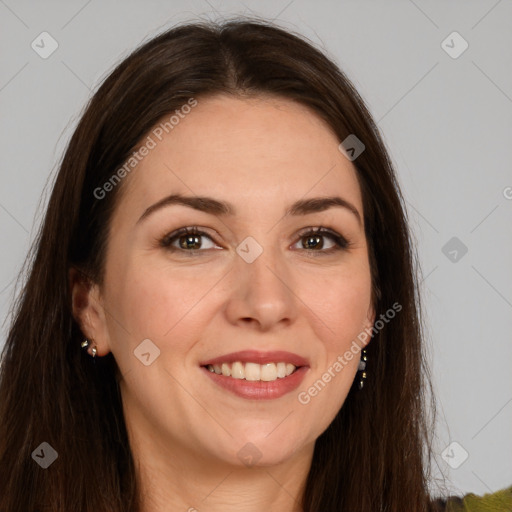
(263, 294)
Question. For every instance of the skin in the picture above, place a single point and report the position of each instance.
(261, 155)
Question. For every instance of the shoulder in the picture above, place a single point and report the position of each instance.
(499, 501)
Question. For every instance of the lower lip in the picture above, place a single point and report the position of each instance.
(259, 390)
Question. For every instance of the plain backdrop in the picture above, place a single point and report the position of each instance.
(445, 112)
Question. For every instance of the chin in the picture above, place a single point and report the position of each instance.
(263, 451)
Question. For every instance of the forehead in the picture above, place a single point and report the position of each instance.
(252, 150)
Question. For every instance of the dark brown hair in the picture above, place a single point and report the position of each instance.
(375, 456)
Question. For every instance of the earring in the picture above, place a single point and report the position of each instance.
(85, 344)
(361, 369)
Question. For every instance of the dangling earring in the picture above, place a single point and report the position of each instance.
(361, 369)
(85, 344)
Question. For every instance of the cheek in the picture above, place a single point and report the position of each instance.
(153, 302)
(340, 305)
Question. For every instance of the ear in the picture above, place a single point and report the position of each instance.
(368, 325)
(88, 310)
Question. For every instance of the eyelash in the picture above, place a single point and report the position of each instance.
(341, 243)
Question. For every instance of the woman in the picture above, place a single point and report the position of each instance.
(222, 307)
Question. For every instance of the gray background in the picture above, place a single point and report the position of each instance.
(446, 121)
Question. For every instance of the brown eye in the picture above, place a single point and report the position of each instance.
(187, 240)
(313, 241)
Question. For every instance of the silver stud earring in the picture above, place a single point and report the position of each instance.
(85, 344)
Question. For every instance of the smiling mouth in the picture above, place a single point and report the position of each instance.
(253, 371)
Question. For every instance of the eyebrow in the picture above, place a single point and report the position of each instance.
(216, 207)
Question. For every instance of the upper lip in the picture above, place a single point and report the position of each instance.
(254, 356)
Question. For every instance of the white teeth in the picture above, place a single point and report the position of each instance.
(226, 371)
(281, 370)
(268, 372)
(253, 371)
(237, 370)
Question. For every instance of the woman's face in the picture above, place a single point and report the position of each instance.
(254, 279)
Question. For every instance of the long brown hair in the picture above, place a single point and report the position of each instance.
(375, 456)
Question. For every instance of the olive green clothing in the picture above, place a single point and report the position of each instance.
(500, 501)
